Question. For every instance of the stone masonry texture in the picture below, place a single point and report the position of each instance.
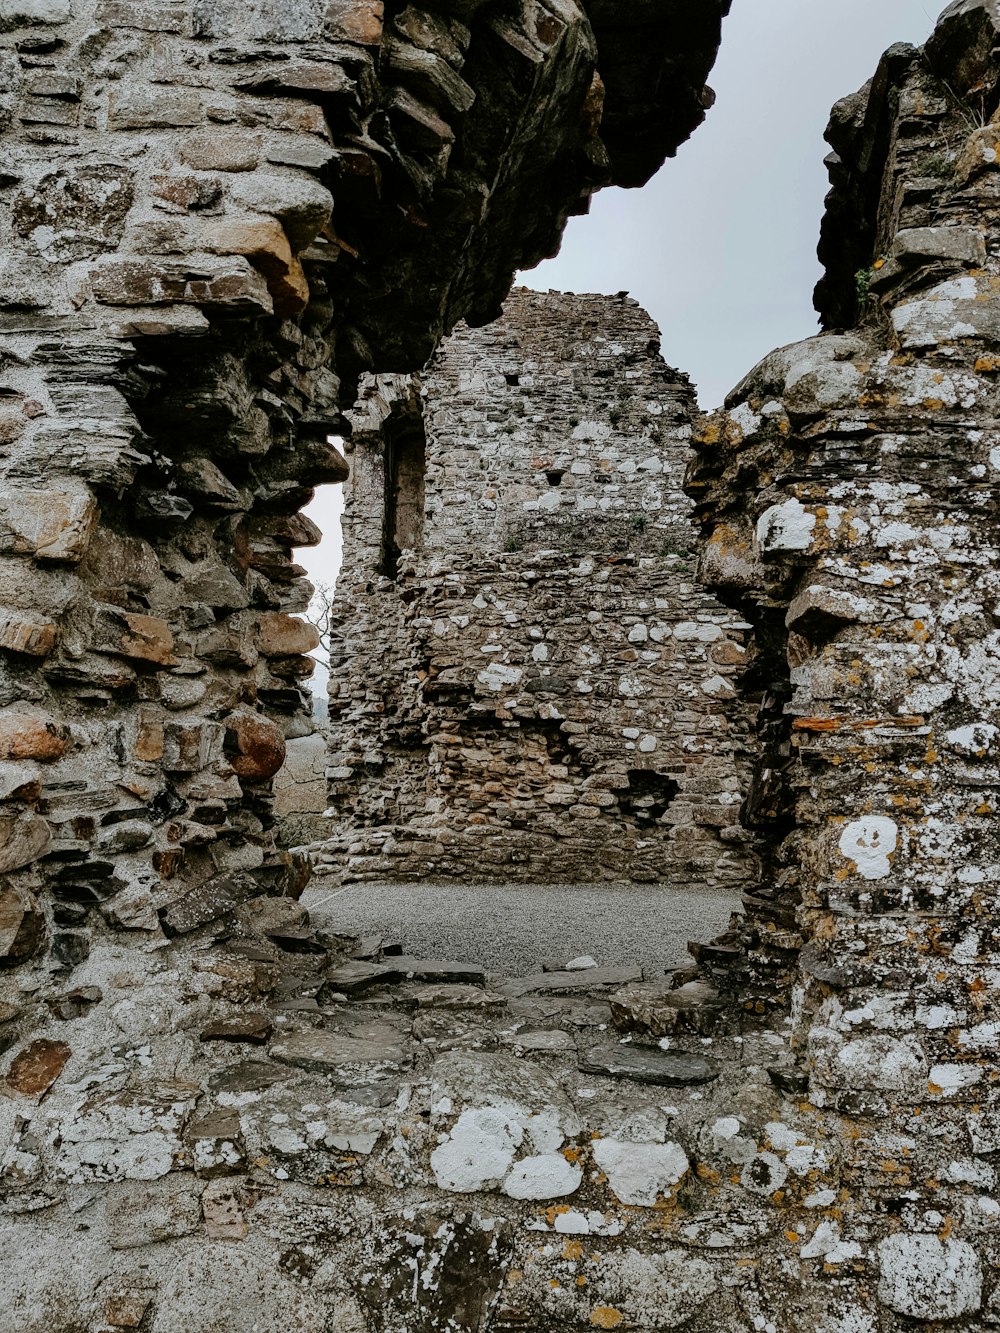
(222, 1116)
(541, 689)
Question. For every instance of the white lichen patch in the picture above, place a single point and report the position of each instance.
(869, 843)
(548, 1176)
(786, 527)
(925, 1277)
(640, 1173)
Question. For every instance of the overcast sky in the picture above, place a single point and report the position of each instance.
(720, 247)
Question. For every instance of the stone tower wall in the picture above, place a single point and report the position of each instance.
(542, 690)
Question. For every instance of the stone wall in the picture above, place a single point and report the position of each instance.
(536, 688)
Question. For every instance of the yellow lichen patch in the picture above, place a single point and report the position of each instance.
(934, 404)
(572, 1154)
(987, 365)
(554, 1283)
(606, 1316)
(573, 1250)
(705, 1172)
(933, 1089)
(556, 1210)
(792, 1237)
(514, 1277)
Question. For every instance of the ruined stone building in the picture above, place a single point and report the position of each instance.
(526, 680)
(217, 1113)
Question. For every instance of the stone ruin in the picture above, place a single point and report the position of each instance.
(527, 682)
(220, 1113)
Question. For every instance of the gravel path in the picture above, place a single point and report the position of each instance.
(511, 928)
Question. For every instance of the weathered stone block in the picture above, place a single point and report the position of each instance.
(266, 246)
(137, 637)
(216, 1144)
(928, 1278)
(225, 284)
(254, 746)
(259, 20)
(964, 245)
(23, 839)
(301, 205)
(223, 1211)
(280, 635)
(154, 108)
(29, 13)
(31, 734)
(140, 1215)
(76, 212)
(145, 15)
(191, 745)
(205, 903)
(223, 150)
(355, 21)
(34, 1069)
(26, 635)
(97, 450)
(22, 927)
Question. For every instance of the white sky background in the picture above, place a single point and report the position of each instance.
(720, 247)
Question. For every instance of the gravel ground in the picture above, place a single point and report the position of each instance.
(511, 928)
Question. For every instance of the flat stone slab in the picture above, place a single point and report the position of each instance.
(446, 995)
(326, 1051)
(565, 982)
(355, 977)
(644, 1064)
(255, 1029)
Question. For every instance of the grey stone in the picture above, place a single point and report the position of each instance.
(644, 1064)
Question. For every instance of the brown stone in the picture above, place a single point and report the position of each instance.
(267, 247)
(22, 927)
(254, 746)
(23, 839)
(48, 525)
(37, 1067)
(279, 635)
(22, 634)
(355, 21)
(148, 639)
(185, 192)
(253, 1029)
(149, 742)
(138, 637)
(13, 422)
(216, 1142)
(126, 1309)
(32, 735)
